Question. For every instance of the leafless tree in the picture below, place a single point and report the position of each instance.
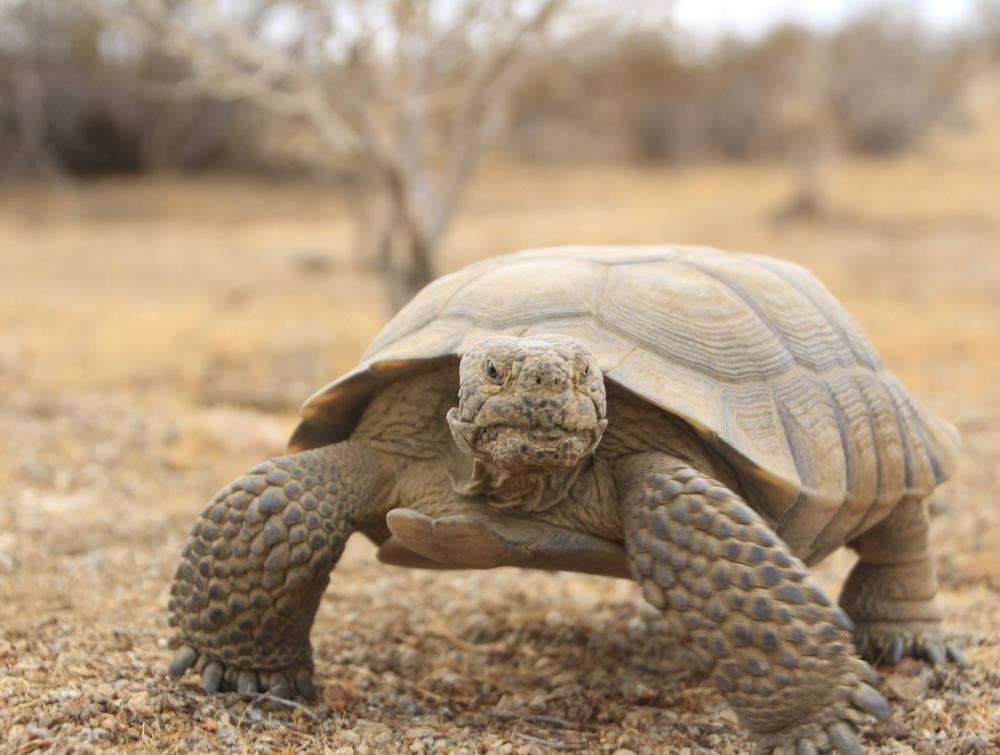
(410, 91)
(804, 124)
(69, 106)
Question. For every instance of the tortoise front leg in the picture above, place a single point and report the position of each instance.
(257, 562)
(745, 609)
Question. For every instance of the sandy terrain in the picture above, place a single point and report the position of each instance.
(156, 338)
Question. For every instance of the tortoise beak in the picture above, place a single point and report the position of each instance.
(463, 432)
(519, 448)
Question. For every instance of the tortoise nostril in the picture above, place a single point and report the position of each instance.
(538, 381)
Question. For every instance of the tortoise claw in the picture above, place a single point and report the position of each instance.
(211, 677)
(933, 653)
(844, 739)
(216, 676)
(956, 656)
(893, 652)
(835, 724)
(278, 686)
(842, 620)
(304, 684)
(868, 674)
(870, 701)
(887, 643)
(246, 683)
(183, 659)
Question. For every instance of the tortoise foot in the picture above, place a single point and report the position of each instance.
(217, 676)
(834, 728)
(888, 642)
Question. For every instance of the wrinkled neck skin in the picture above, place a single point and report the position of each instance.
(531, 413)
(524, 490)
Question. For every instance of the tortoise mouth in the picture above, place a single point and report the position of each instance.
(514, 447)
(511, 447)
(541, 436)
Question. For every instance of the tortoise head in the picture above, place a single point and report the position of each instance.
(529, 403)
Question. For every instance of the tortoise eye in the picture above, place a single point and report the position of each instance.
(586, 370)
(492, 372)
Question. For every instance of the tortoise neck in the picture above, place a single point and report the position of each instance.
(523, 490)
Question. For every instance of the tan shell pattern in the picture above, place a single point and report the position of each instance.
(753, 352)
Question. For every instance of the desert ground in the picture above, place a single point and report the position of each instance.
(157, 336)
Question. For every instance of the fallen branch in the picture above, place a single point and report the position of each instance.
(552, 743)
(255, 697)
(513, 715)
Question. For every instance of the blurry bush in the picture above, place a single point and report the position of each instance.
(987, 26)
(608, 97)
(73, 101)
(889, 82)
(876, 85)
(74, 97)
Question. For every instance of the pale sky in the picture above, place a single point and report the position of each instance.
(751, 17)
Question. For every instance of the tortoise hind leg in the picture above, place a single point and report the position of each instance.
(890, 592)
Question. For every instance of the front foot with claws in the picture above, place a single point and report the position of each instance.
(217, 676)
(888, 642)
(834, 729)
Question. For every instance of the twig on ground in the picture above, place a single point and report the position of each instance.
(513, 715)
(255, 697)
(552, 743)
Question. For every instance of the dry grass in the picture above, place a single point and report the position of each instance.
(155, 338)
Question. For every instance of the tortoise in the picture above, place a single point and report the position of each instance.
(703, 422)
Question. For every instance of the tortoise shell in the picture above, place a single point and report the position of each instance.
(753, 352)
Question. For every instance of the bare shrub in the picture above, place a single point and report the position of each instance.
(754, 92)
(408, 94)
(71, 101)
(888, 83)
(654, 94)
(613, 96)
(876, 85)
(986, 26)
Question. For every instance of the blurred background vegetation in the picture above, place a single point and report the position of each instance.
(398, 100)
(82, 95)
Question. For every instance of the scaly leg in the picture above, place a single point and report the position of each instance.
(745, 609)
(890, 592)
(257, 562)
